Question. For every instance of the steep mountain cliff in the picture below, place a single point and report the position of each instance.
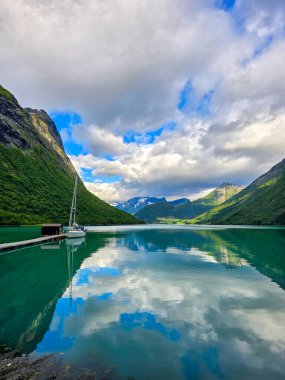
(37, 177)
(184, 209)
(262, 202)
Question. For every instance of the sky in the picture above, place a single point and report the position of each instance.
(153, 97)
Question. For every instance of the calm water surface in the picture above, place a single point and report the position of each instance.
(151, 302)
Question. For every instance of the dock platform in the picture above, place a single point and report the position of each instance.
(28, 243)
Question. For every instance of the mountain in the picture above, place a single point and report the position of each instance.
(37, 177)
(152, 213)
(179, 201)
(262, 202)
(135, 204)
(222, 193)
(186, 209)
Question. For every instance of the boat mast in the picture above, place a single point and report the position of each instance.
(75, 199)
(73, 204)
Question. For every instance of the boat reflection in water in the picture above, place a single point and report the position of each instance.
(31, 282)
(72, 246)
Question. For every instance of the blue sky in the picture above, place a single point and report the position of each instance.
(64, 121)
(167, 98)
(226, 5)
(147, 137)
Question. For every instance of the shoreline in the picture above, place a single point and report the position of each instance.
(17, 366)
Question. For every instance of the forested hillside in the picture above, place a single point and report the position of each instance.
(37, 177)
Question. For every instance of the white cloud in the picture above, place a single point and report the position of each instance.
(109, 191)
(118, 63)
(193, 159)
(97, 140)
(121, 65)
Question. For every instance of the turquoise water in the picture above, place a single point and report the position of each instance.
(11, 234)
(152, 302)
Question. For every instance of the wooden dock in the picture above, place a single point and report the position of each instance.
(28, 243)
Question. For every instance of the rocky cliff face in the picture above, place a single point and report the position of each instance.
(13, 120)
(27, 127)
(45, 126)
(49, 134)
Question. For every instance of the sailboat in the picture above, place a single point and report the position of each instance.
(74, 230)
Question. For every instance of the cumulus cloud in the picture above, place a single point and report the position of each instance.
(192, 160)
(119, 63)
(127, 66)
(97, 140)
(110, 191)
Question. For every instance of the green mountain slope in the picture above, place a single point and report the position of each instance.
(262, 202)
(219, 195)
(166, 210)
(152, 213)
(37, 177)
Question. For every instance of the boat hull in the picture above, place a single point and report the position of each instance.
(67, 228)
(75, 234)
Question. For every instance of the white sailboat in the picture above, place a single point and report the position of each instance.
(74, 230)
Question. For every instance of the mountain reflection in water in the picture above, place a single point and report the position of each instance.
(171, 303)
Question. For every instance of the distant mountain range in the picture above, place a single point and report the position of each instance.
(37, 177)
(152, 210)
(179, 201)
(262, 202)
(135, 204)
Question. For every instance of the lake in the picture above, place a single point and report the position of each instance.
(150, 302)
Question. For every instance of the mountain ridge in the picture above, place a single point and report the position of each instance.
(261, 202)
(135, 204)
(187, 210)
(37, 177)
(179, 201)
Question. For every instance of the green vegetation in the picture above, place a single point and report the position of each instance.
(36, 189)
(222, 193)
(165, 212)
(152, 213)
(6, 94)
(37, 177)
(170, 221)
(260, 203)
